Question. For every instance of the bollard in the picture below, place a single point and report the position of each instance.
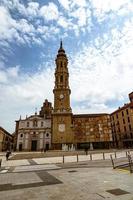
(112, 161)
(63, 159)
(103, 156)
(90, 156)
(126, 153)
(77, 158)
(130, 163)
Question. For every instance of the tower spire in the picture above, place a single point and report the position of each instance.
(61, 44)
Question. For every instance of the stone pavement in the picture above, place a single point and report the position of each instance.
(43, 179)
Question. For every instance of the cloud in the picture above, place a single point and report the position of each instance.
(21, 93)
(49, 12)
(103, 9)
(103, 71)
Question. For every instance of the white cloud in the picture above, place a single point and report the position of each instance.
(103, 71)
(102, 8)
(65, 3)
(49, 12)
(21, 93)
(33, 9)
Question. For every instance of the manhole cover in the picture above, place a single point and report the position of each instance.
(117, 191)
(72, 171)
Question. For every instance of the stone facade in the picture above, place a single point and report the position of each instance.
(34, 132)
(92, 130)
(122, 125)
(6, 140)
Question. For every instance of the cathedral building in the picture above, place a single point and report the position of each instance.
(75, 131)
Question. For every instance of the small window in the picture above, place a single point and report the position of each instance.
(117, 116)
(124, 128)
(61, 78)
(41, 124)
(130, 127)
(122, 113)
(127, 111)
(47, 135)
(61, 64)
(128, 119)
(123, 121)
(27, 124)
(21, 135)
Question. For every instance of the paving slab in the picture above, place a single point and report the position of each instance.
(35, 168)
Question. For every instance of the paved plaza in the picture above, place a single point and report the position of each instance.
(58, 178)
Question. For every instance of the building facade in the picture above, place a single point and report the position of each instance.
(6, 140)
(75, 131)
(122, 125)
(34, 132)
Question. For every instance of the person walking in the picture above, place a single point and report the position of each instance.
(7, 155)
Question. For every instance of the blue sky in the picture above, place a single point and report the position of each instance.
(97, 37)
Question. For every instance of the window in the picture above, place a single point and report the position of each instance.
(122, 113)
(41, 124)
(128, 119)
(61, 78)
(117, 116)
(61, 64)
(127, 111)
(123, 121)
(47, 135)
(27, 124)
(21, 135)
(124, 128)
(130, 127)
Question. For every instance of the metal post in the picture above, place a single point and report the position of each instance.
(130, 163)
(0, 162)
(90, 156)
(77, 158)
(112, 161)
(103, 156)
(115, 155)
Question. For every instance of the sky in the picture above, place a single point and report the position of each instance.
(97, 36)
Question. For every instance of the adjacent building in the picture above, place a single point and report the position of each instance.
(122, 125)
(6, 140)
(34, 132)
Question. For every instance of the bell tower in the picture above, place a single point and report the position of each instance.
(62, 113)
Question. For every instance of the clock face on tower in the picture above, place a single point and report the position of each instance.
(61, 96)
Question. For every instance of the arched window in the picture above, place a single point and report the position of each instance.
(61, 64)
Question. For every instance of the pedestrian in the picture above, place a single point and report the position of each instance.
(7, 154)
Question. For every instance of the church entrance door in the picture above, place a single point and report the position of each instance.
(47, 146)
(34, 145)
